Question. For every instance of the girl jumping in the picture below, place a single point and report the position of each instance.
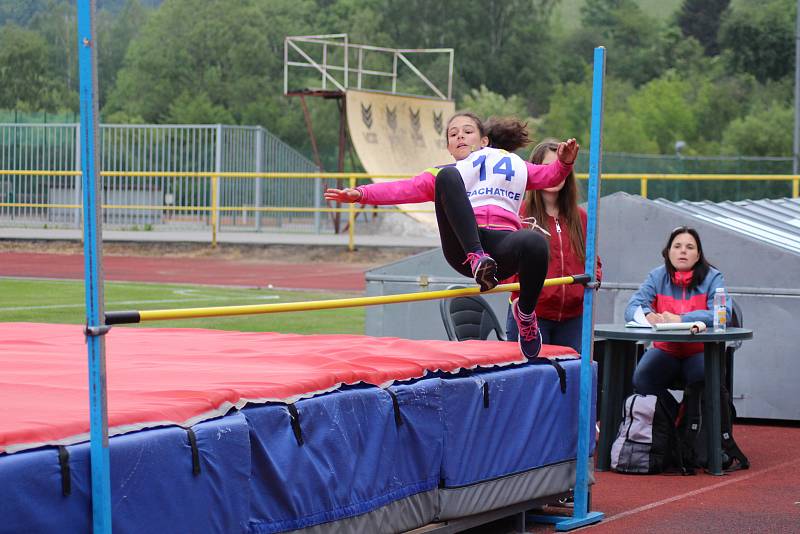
(477, 202)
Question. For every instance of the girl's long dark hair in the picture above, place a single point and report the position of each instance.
(568, 199)
(700, 269)
(507, 133)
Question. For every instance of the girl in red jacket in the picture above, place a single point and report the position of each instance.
(560, 308)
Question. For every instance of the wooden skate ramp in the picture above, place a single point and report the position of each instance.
(399, 135)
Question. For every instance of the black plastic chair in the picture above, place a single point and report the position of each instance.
(469, 317)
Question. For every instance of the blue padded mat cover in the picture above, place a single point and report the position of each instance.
(529, 423)
(153, 489)
(354, 458)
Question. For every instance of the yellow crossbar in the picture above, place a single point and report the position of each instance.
(223, 311)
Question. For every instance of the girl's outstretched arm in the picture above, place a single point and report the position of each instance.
(418, 189)
(346, 195)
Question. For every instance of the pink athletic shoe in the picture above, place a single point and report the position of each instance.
(484, 269)
(530, 339)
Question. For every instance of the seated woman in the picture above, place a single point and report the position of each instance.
(681, 290)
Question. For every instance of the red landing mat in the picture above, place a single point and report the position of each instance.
(181, 376)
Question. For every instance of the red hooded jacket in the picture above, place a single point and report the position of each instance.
(558, 303)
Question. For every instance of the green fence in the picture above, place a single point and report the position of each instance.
(622, 163)
(13, 116)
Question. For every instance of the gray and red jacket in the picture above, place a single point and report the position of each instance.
(658, 293)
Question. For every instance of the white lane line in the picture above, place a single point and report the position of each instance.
(128, 303)
(699, 491)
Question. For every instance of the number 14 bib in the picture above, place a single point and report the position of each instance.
(494, 176)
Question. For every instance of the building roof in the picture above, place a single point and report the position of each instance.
(772, 221)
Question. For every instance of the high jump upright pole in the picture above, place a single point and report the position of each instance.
(581, 516)
(587, 345)
(93, 268)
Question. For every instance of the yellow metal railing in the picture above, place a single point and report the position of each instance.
(644, 178)
(351, 210)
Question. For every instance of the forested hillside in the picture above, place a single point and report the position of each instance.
(715, 74)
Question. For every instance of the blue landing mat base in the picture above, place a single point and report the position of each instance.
(564, 523)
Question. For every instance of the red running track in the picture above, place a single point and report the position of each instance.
(208, 271)
(764, 499)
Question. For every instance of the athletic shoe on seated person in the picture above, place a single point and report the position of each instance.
(530, 338)
(568, 501)
(484, 269)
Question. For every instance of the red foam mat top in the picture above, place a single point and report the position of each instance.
(157, 377)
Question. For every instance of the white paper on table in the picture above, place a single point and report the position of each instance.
(639, 320)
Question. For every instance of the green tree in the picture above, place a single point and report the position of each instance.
(20, 12)
(57, 24)
(570, 112)
(501, 44)
(635, 37)
(663, 107)
(625, 132)
(486, 103)
(24, 79)
(717, 100)
(197, 108)
(758, 38)
(684, 54)
(701, 19)
(231, 51)
(764, 132)
(114, 34)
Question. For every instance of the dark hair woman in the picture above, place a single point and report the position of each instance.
(681, 290)
(701, 266)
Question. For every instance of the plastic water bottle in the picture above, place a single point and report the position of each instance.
(720, 312)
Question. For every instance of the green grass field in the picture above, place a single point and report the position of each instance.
(56, 301)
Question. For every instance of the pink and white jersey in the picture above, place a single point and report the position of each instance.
(495, 181)
(494, 177)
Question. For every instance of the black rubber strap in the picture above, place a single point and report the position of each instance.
(562, 375)
(398, 418)
(294, 417)
(63, 462)
(195, 451)
(485, 394)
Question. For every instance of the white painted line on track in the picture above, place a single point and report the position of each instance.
(698, 491)
(129, 303)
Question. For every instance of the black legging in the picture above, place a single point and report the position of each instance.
(523, 252)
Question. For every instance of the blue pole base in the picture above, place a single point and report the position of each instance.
(564, 523)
